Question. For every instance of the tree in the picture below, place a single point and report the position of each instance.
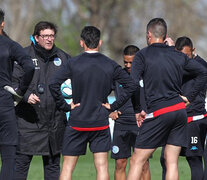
(19, 16)
(121, 22)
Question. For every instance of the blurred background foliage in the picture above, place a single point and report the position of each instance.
(121, 22)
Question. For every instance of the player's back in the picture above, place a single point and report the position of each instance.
(92, 77)
(163, 71)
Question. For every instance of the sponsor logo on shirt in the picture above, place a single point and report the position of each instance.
(35, 62)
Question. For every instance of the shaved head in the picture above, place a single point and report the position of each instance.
(158, 28)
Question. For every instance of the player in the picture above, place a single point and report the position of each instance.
(197, 121)
(10, 52)
(125, 128)
(92, 75)
(162, 69)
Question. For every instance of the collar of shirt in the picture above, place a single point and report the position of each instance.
(91, 51)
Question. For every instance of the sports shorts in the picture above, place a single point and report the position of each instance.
(196, 134)
(123, 143)
(75, 142)
(168, 128)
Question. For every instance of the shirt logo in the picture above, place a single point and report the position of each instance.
(35, 62)
(194, 148)
(57, 61)
(115, 149)
(141, 83)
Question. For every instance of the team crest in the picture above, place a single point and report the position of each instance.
(57, 61)
(115, 149)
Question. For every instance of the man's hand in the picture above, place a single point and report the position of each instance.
(33, 99)
(169, 41)
(73, 106)
(140, 117)
(106, 105)
(114, 115)
(185, 99)
(16, 96)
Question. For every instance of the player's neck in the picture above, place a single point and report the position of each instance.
(86, 49)
(156, 40)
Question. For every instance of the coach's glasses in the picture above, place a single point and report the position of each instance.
(47, 36)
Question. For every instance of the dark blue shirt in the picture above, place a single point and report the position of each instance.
(92, 76)
(11, 51)
(162, 69)
(197, 106)
(126, 120)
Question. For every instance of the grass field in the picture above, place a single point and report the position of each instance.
(85, 169)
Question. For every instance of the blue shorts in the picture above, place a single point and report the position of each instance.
(169, 128)
(75, 142)
(123, 143)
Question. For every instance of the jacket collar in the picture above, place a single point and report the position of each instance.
(43, 53)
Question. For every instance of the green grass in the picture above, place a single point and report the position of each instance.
(85, 168)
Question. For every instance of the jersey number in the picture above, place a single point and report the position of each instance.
(194, 140)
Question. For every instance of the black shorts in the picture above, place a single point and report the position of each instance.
(169, 128)
(196, 133)
(122, 144)
(75, 142)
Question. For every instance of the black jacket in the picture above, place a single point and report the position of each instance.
(10, 52)
(162, 69)
(126, 120)
(41, 125)
(92, 75)
(197, 106)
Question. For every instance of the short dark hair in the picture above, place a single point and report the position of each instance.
(157, 27)
(183, 41)
(130, 50)
(1, 16)
(42, 25)
(91, 36)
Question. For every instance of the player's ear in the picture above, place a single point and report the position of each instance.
(81, 43)
(100, 43)
(2, 24)
(149, 34)
(193, 52)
